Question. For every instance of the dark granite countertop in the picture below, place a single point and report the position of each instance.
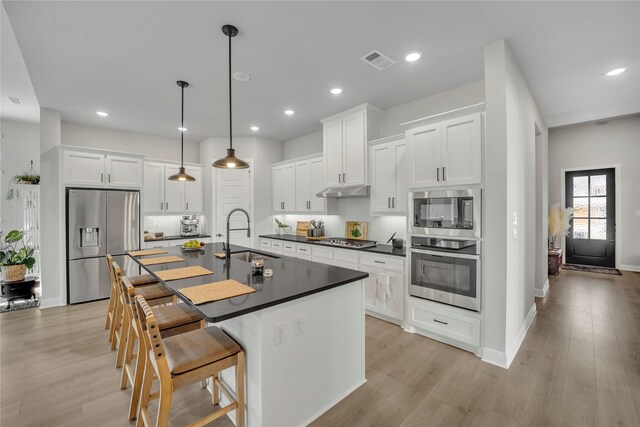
(292, 279)
(379, 249)
(199, 236)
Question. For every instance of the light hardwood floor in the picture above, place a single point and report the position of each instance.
(578, 366)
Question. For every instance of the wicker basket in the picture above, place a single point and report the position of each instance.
(14, 273)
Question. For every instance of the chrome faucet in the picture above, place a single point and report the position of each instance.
(227, 250)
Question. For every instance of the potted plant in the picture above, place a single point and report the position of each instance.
(29, 177)
(559, 223)
(16, 257)
(281, 226)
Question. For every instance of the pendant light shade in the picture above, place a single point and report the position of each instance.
(230, 161)
(182, 175)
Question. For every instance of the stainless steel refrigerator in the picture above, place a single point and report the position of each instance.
(99, 222)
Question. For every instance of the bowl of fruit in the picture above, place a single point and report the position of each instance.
(193, 245)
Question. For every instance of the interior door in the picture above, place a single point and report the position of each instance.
(591, 238)
(233, 190)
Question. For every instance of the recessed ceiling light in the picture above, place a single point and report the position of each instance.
(289, 112)
(181, 129)
(412, 56)
(616, 71)
(255, 128)
(336, 91)
(240, 76)
(102, 113)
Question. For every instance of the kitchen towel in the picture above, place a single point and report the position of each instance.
(215, 291)
(383, 290)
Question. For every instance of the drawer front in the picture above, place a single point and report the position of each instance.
(289, 247)
(304, 250)
(456, 326)
(386, 262)
(276, 245)
(322, 253)
(347, 256)
(265, 244)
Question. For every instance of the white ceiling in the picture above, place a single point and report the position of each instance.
(124, 58)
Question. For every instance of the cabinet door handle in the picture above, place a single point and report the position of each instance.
(161, 205)
(440, 321)
(438, 174)
(393, 202)
(166, 206)
(187, 205)
(444, 176)
(102, 177)
(340, 178)
(344, 178)
(388, 202)
(109, 175)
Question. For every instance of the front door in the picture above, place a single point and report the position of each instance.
(591, 238)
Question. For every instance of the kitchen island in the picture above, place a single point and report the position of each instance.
(302, 330)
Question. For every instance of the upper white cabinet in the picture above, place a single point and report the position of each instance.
(295, 185)
(389, 177)
(446, 153)
(284, 188)
(101, 170)
(345, 137)
(163, 196)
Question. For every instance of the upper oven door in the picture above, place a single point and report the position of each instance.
(449, 213)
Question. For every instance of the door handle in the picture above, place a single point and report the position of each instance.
(102, 177)
(187, 205)
(166, 206)
(109, 176)
(393, 202)
(444, 176)
(161, 205)
(388, 202)
(344, 178)
(340, 178)
(438, 174)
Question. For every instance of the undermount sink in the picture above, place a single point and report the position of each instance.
(248, 256)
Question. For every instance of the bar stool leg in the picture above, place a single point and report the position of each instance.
(215, 397)
(122, 342)
(115, 323)
(164, 405)
(141, 360)
(240, 390)
(145, 394)
(128, 356)
(112, 298)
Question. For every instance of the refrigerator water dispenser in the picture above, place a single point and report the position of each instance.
(89, 237)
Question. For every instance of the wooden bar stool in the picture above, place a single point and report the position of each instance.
(156, 294)
(144, 279)
(172, 320)
(187, 358)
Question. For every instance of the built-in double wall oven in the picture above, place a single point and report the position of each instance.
(445, 247)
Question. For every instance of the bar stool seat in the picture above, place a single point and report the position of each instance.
(143, 279)
(152, 292)
(191, 350)
(175, 315)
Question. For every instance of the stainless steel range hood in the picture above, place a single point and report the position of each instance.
(344, 192)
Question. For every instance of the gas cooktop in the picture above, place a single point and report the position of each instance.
(349, 243)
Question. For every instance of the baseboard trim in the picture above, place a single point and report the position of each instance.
(541, 293)
(629, 267)
(503, 360)
(50, 302)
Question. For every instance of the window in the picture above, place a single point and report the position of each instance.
(590, 207)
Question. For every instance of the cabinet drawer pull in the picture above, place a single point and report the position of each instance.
(440, 321)
(444, 176)
(302, 250)
(438, 174)
(379, 262)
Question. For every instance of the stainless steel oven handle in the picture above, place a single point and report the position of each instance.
(445, 254)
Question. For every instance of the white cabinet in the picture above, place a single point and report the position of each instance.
(345, 137)
(380, 300)
(303, 251)
(101, 170)
(284, 188)
(446, 153)
(164, 196)
(194, 192)
(389, 178)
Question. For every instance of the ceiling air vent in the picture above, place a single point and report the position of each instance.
(16, 101)
(378, 60)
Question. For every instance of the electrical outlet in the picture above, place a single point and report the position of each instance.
(298, 325)
(279, 333)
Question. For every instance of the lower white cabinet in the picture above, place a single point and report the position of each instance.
(303, 251)
(449, 324)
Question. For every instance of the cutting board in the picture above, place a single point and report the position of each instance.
(302, 227)
(357, 230)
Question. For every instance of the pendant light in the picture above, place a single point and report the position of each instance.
(182, 175)
(230, 161)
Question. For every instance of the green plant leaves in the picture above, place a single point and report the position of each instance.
(13, 236)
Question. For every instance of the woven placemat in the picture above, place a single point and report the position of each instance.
(161, 260)
(215, 291)
(182, 273)
(148, 252)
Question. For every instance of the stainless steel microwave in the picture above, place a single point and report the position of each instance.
(446, 213)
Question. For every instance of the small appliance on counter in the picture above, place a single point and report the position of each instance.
(397, 243)
(189, 225)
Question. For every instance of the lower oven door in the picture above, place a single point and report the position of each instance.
(446, 277)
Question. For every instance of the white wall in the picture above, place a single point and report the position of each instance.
(117, 140)
(589, 145)
(390, 119)
(19, 145)
(509, 205)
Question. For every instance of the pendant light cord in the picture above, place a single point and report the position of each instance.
(230, 110)
(182, 131)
